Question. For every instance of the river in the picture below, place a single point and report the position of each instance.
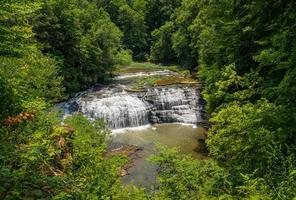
(169, 115)
(183, 136)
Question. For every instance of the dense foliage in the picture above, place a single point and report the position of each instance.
(175, 41)
(137, 19)
(245, 52)
(129, 16)
(183, 178)
(40, 158)
(83, 37)
(29, 79)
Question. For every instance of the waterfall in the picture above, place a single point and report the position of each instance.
(120, 109)
(174, 105)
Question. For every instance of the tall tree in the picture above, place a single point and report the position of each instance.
(15, 30)
(159, 12)
(177, 37)
(28, 79)
(129, 16)
(83, 37)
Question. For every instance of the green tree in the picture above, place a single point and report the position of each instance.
(243, 57)
(59, 162)
(15, 30)
(29, 80)
(129, 16)
(31, 83)
(131, 22)
(161, 49)
(181, 177)
(83, 37)
(176, 38)
(159, 12)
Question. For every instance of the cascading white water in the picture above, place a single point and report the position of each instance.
(174, 105)
(157, 105)
(120, 109)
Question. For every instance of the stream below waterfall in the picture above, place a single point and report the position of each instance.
(167, 115)
(183, 136)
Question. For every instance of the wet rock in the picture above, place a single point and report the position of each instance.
(123, 172)
(121, 107)
(130, 151)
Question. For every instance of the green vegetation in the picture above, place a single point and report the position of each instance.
(81, 36)
(135, 67)
(29, 80)
(154, 81)
(183, 178)
(43, 160)
(129, 16)
(245, 52)
(177, 41)
(246, 57)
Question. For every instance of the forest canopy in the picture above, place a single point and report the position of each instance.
(243, 54)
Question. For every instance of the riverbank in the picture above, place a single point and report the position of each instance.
(145, 107)
(142, 142)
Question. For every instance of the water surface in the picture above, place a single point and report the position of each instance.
(184, 137)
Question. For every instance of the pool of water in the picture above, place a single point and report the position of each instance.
(184, 137)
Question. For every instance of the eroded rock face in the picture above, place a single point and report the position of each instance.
(121, 109)
(174, 105)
